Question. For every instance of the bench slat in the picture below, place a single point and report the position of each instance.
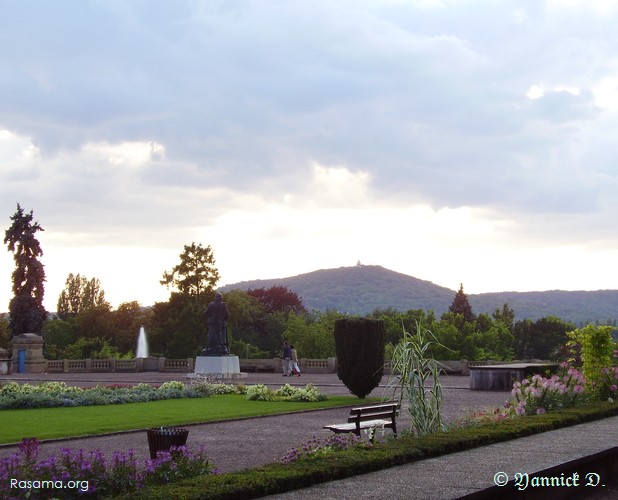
(366, 417)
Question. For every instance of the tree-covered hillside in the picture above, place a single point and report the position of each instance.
(362, 289)
(359, 290)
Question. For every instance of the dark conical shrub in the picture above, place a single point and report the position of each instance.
(359, 344)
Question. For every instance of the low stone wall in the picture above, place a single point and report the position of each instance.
(119, 365)
(152, 364)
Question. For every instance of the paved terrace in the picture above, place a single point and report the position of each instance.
(235, 445)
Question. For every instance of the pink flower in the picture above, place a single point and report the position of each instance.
(540, 411)
(564, 364)
(613, 388)
(578, 389)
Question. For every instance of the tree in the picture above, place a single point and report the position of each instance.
(312, 334)
(4, 331)
(196, 275)
(542, 339)
(26, 310)
(126, 321)
(359, 344)
(461, 305)
(80, 294)
(506, 315)
(178, 326)
(597, 347)
(278, 299)
(58, 334)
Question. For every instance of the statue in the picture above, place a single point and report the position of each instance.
(216, 317)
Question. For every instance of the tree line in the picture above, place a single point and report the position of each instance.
(86, 326)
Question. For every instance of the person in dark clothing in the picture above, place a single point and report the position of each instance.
(287, 356)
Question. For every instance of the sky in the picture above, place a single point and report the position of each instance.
(456, 141)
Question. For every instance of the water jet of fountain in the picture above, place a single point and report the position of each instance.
(142, 344)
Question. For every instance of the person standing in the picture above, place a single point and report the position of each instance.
(295, 370)
(287, 356)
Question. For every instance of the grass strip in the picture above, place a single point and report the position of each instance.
(50, 423)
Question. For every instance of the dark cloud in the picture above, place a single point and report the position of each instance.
(244, 97)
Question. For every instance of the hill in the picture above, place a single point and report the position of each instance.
(359, 290)
(362, 289)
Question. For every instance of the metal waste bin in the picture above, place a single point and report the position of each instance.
(163, 438)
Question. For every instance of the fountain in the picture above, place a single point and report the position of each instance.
(142, 344)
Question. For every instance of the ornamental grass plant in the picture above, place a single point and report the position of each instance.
(412, 368)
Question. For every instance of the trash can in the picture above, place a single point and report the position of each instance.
(163, 438)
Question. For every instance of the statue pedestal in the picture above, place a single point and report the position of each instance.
(227, 367)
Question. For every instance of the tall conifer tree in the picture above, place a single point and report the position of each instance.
(461, 305)
(26, 310)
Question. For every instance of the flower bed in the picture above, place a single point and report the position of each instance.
(57, 394)
(75, 473)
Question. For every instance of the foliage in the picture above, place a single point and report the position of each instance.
(93, 474)
(80, 294)
(359, 290)
(5, 331)
(541, 339)
(57, 335)
(607, 388)
(26, 310)
(178, 328)
(460, 305)
(317, 448)
(247, 351)
(196, 275)
(278, 299)
(412, 366)
(93, 348)
(596, 348)
(126, 321)
(58, 394)
(312, 334)
(204, 386)
(261, 392)
(539, 394)
(492, 340)
(506, 315)
(359, 345)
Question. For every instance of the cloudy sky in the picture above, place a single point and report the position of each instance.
(455, 141)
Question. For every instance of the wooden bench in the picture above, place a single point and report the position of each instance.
(366, 417)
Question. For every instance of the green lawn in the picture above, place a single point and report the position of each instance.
(46, 423)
